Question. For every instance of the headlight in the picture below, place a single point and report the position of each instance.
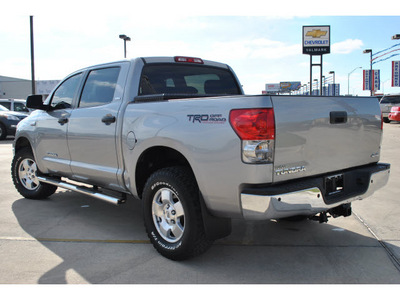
(9, 117)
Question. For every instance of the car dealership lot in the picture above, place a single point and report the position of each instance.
(72, 238)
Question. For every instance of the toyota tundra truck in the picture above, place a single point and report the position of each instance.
(179, 134)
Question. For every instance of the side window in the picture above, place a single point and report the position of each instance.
(20, 107)
(99, 87)
(6, 105)
(63, 96)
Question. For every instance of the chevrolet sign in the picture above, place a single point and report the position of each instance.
(316, 40)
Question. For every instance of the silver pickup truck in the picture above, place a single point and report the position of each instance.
(178, 133)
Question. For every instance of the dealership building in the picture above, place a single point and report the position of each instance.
(17, 88)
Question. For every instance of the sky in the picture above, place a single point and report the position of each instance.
(261, 41)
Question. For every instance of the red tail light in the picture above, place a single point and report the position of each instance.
(253, 124)
(395, 109)
(193, 60)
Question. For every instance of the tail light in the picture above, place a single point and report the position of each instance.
(256, 129)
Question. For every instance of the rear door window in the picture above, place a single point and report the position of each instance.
(100, 87)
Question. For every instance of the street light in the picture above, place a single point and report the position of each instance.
(370, 75)
(348, 80)
(125, 38)
(396, 37)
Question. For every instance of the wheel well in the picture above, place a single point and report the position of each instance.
(22, 143)
(154, 159)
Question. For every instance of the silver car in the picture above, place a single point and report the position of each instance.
(386, 104)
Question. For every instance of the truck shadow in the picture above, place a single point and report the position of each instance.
(101, 243)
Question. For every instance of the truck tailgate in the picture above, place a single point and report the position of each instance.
(317, 135)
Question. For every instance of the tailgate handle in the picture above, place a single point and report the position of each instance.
(338, 117)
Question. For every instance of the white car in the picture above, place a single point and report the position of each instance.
(15, 105)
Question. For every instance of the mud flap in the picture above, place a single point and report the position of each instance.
(214, 227)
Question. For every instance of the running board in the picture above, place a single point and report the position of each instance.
(83, 190)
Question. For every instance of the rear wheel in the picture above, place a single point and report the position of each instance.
(24, 173)
(172, 214)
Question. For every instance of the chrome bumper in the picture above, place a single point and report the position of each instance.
(308, 201)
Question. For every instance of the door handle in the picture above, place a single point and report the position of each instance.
(108, 119)
(63, 120)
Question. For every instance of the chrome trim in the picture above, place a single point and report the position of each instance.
(82, 190)
(305, 202)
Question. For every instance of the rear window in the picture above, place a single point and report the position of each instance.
(187, 79)
(391, 99)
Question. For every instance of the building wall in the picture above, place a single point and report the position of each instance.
(14, 88)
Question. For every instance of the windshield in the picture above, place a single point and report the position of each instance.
(187, 79)
(391, 99)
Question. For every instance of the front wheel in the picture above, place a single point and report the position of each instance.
(172, 214)
(24, 174)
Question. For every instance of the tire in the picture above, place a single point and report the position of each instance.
(3, 132)
(24, 174)
(172, 214)
(386, 120)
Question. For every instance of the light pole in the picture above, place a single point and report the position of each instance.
(333, 86)
(370, 75)
(125, 38)
(348, 80)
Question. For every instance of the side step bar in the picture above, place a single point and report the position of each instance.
(83, 190)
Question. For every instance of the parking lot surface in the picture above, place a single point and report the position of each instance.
(72, 238)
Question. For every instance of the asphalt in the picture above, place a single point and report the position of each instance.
(74, 239)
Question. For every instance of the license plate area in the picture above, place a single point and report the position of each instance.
(334, 185)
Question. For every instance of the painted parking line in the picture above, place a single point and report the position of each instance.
(39, 239)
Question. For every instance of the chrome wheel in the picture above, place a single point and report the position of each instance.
(27, 174)
(168, 215)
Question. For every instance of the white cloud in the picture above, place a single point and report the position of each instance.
(347, 46)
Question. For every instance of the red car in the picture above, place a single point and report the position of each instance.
(394, 114)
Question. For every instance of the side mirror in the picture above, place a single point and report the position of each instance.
(35, 102)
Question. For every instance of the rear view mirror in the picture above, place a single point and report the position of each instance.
(35, 102)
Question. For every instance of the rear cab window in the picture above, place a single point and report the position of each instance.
(391, 99)
(185, 79)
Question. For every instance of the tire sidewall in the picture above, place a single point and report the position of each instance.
(166, 248)
(41, 191)
(3, 132)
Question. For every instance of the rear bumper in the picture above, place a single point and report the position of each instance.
(309, 196)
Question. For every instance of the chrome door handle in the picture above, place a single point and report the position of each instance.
(108, 119)
(63, 120)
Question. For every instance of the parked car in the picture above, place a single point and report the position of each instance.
(8, 121)
(386, 104)
(394, 114)
(15, 105)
